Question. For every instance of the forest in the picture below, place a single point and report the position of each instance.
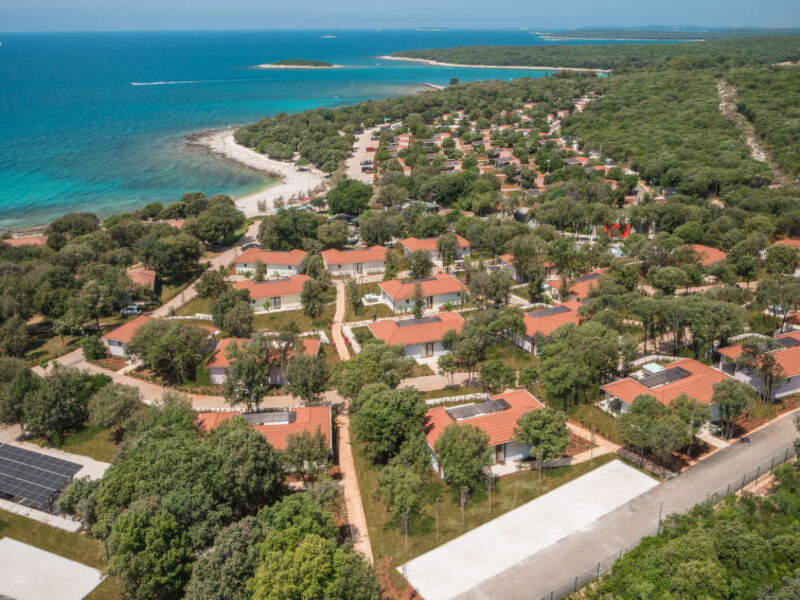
(668, 34)
(713, 54)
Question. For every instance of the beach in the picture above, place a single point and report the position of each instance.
(291, 182)
(435, 63)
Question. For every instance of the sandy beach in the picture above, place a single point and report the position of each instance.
(444, 64)
(291, 181)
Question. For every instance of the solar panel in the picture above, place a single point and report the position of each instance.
(468, 411)
(271, 418)
(788, 342)
(423, 321)
(587, 277)
(546, 312)
(31, 478)
(664, 377)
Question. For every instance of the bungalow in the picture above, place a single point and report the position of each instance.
(359, 261)
(686, 376)
(145, 278)
(579, 287)
(219, 362)
(437, 291)
(787, 355)
(117, 339)
(277, 426)
(277, 264)
(506, 261)
(283, 294)
(544, 321)
(431, 246)
(420, 338)
(497, 417)
(706, 255)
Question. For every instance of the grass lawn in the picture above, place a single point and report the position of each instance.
(74, 546)
(379, 311)
(196, 305)
(451, 391)
(386, 533)
(761, 323)
(596, 420)
(168, 290)
(92, 441)
(510, 354)
(46, 346)
(278, 320)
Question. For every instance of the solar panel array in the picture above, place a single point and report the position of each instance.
(31, 478)
(546, 312)
(468, 411)
(271, 418)
(788, 342)
(423, 321)
(664, 377)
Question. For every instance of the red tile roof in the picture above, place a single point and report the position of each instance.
(358, 255)
(786, 242)
(308, 418)
(276, 287)
(788, 358)
(219, 358)
(699, 385)
(429, 244)
(271, 257)
(441, 283)
(145, 277)
(125, 332)
(31, 240)
(500, 425)
(708, 255)
(580, 289)
(547, 325)
(413, 332)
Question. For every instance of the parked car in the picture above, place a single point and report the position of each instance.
(131, 310)
(370, 148)
(251, 245)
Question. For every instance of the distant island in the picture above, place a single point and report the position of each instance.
(298, 63)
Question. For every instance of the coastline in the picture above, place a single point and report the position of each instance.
(633, 40)
(435, 63)
(291, 182)
(274, 66)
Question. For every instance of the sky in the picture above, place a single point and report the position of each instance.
(61, 15)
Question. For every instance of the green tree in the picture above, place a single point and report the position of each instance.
(499, 287)
(239, 319)
(781, 259)
(14, 337)
(113, 405)
(307, 377)
(731, 397)
(211, 284)
(353, 295)
(259, 270)
(315, 295)
(546, 432)
(464, 457)
(376, 363)
(496, 376)
(287, 230)
(333, 234)
(214, 225)
(391, 264)
(420, 264)
(349, 196)
(248, 377)
(419, 301)
(763, 366)
(399, 489)
(16, 382)
(171, 256)
(171, 349)
(384, 419)
(447, 245)
(225, 303)
(307, 453)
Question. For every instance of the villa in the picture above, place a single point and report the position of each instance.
(117, 339)
(277, 426)
(420, 338)
(666, 383)
(277, 264)
(351, 263)
(219, 362)
(437, 291)
(497, 417)
(787, 355)
(544, 321)
(506, 261)
(431, 246)
(282, 294)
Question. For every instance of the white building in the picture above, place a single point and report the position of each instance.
(282, 294)
(220, 361)
(431, 246)
(352, 263)
(437, 291)
(420, 338)
(277, 264)
(787, 355)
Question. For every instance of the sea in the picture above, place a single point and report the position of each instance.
(98, 121)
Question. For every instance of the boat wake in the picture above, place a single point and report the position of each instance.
(186, 82)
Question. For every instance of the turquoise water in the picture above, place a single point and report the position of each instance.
(77, 134)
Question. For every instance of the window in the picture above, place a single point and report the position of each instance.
(500, 453)
(429, 302)
(275, 302)
(359, 268)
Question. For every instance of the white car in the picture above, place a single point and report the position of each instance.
(131, 309)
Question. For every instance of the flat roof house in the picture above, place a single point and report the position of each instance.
(277, 426)
(431, 246)
(359, 261)
(787, 355)
(219, 362)
(277, 264)
(420, 338)
(282, 294)
(497, 417)
(686, 376)
(437, 291)
(544, 321)
(117, 339)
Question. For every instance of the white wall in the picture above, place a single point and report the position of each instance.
(407, 305)
(418, 350)
(219, 375)
(350, 269)
(289, 301)
(116, 348)
(272, 270)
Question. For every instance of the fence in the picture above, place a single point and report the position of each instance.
(576, 582)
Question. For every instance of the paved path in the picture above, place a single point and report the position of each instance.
(352, 494)
(557, 566)
(338, 320)
(363, 141)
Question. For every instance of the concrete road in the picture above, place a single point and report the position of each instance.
(555, 568)
(363, 141)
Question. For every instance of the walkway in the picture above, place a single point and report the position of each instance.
(579, 553)
(338, 320)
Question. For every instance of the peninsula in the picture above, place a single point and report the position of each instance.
(298, 63)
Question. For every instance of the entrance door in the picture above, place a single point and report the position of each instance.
(275, 302)
(429, 349)
(359, 268)
(500, 453)
(429, 302)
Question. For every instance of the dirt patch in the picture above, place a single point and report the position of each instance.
(112, 363)
(747, 422)
(577, 445)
